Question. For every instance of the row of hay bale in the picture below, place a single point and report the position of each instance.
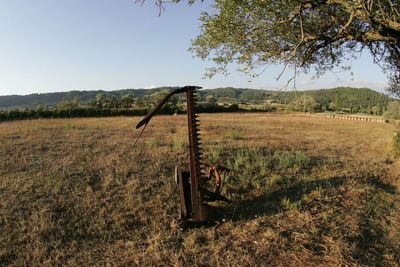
(357, 118)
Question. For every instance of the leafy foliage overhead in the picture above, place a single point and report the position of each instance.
(304, 34)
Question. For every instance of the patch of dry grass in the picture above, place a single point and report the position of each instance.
(305, 191)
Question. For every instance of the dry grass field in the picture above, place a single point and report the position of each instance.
(305, 191)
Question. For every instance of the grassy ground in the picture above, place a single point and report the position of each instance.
(304, 190)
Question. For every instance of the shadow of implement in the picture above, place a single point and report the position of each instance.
(271, 202)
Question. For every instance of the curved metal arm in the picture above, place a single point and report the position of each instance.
(162, 102)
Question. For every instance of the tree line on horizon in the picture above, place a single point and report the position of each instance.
(342, 99)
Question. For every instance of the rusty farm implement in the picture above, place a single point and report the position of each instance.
(191, 181)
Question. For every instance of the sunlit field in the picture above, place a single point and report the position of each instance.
(304, 190)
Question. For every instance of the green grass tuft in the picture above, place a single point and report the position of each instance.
(153, 142)
(289, 160)
(233, 134)
(178, 144)
(70, 125)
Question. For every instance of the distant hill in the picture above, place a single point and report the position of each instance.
(347, 96)
(52, 99)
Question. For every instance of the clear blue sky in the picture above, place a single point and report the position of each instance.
(62, 45)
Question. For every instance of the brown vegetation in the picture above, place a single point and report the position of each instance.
(305, 191)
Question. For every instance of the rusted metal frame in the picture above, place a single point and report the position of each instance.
(192, 206)
(182, 182)
(199, 212)
(162, 102)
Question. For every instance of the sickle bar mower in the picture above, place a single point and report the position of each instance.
(191, 190)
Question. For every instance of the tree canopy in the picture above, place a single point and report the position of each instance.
(303, 34)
